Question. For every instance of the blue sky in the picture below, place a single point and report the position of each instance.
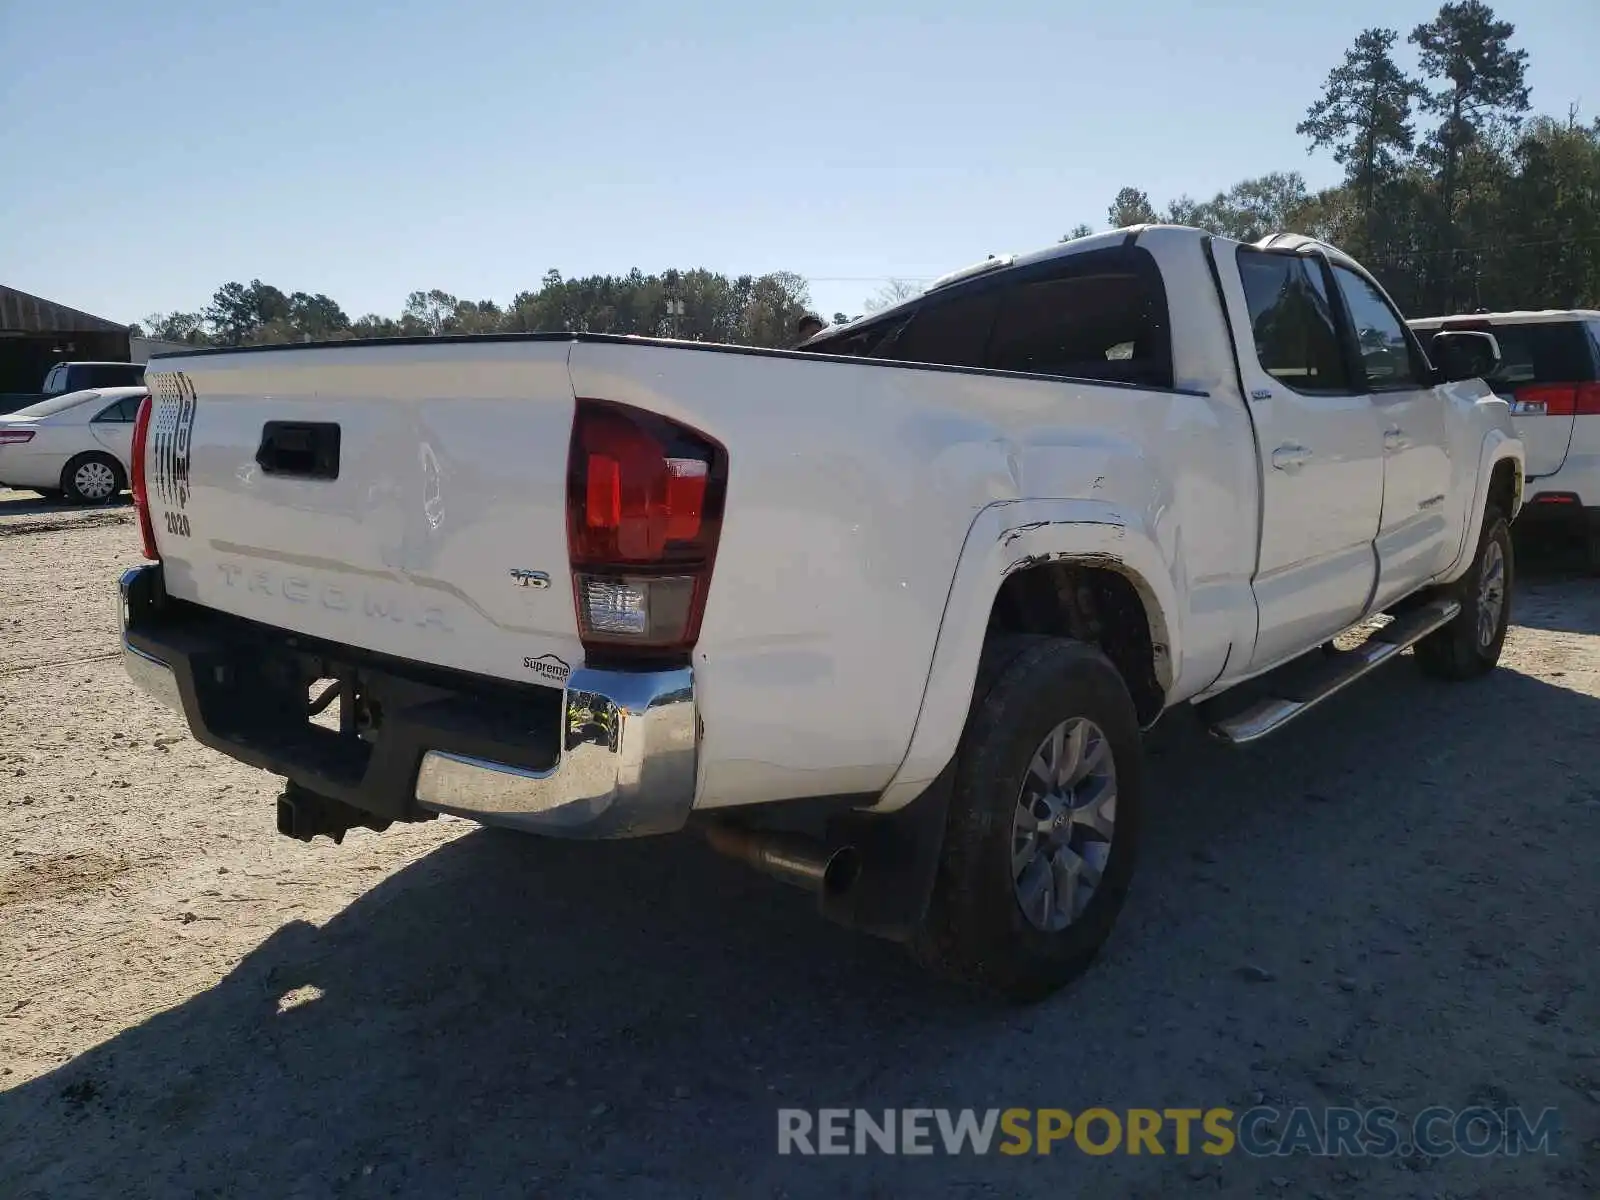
(157, 150)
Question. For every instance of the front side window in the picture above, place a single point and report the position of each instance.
(1292, 321)
(1380, 335)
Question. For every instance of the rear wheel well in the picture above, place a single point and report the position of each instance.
(1092, 604)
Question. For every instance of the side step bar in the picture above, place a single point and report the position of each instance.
(1342, 668)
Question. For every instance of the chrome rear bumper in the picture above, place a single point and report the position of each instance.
(627, 763)
(625, 755)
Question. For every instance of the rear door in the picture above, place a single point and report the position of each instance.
(1543, 366)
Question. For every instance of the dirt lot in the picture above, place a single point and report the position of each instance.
(1394, 902)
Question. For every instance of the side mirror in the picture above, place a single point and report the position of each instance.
(1465, 354)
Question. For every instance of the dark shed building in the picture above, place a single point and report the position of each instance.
(36, 334)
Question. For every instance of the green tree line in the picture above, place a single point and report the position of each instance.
(703, 305)
(1453, 195)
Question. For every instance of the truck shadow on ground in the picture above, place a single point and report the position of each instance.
(516, 1016)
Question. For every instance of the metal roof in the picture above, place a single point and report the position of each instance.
(24, 313)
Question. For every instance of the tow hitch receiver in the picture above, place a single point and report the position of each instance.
(303, 815)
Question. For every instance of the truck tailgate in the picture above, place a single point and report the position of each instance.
(408, 498)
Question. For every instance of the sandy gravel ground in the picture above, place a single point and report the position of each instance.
(1393, 902)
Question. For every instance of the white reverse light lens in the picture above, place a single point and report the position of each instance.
(646, 609)
(618, 606)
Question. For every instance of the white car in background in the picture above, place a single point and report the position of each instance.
(76, 445)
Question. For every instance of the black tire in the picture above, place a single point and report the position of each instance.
(1458, 651)
(70, 473)
(976, 929)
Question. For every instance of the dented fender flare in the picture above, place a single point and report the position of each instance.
(1006, 537)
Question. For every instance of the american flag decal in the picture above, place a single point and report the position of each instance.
(171, 426)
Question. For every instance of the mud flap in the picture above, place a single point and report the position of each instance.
(899, 863)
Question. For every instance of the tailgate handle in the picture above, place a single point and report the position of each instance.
(300, 449)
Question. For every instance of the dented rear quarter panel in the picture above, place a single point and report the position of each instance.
(873, 512)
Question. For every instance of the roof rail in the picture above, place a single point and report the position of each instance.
(992, 263)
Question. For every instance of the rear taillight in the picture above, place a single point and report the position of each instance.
(644, 511)
(1559, 399)
(11, 437)
(141, 499)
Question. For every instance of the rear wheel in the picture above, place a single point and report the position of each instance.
(92, 478)
(1044, 820)
(1470, 645)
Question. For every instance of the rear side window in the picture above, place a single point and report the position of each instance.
(1106, 324)
(1296, 336)
(55, 381)
(1555, 352)
(123, 410)
(954, 332)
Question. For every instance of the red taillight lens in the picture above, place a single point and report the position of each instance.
(1559, 399)
(12, 437)
(644, 511)
(1546, 399)
(136, 482)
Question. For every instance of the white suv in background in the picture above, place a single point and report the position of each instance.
(1550, 374)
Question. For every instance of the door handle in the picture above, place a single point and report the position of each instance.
(299, 449)
(1396, 439)
(1290, 458)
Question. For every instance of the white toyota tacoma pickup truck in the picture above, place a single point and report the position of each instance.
(884, 616)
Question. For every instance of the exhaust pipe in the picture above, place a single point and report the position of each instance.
(791, 857)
